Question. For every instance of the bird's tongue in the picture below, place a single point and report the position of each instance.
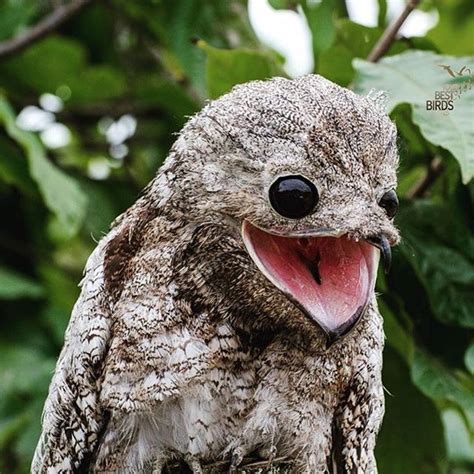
(329, 278)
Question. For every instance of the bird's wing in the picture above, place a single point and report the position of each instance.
(127, 347)
(71, 418)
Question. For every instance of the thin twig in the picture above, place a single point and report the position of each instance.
(435, 168)
(46, 26)
(385, 41)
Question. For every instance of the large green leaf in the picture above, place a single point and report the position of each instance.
(440, 247)
(439, 383)
(227, 67)
(411, 439)
(320, 17)
(414, 77)
(46, 65)
(14, 285)
(61, 62)
(61, 193)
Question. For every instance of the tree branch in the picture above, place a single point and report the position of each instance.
(385, 41)
(46, 26)
(435, 168)
(280, 465)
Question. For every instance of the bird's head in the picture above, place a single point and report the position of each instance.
(303, 173)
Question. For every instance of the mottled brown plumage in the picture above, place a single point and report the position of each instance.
(179, 347)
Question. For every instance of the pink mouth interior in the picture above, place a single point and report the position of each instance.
(329, 278)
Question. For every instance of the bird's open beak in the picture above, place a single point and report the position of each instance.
(330, 279)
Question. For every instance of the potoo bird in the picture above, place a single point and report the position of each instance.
(231, 310)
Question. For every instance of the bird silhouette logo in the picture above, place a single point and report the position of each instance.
(455, 74)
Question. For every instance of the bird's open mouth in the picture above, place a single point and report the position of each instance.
(330, 279)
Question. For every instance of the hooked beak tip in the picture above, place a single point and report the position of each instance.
(382, 243)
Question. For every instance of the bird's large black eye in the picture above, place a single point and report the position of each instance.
(389, 202)
(293, 196)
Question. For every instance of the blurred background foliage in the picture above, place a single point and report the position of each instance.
(88, 114)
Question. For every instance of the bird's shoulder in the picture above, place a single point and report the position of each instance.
(161, 341)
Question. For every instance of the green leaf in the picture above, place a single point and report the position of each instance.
(382, 16)
(13, 285)
(284, 4)
(453, 131)
(396, 335)
(56, 319)
(14, 15)
(414, 77)
(23, 370)
(453, 32)
(321, 22)
(226, 68)
(97, 83)
(153, 90)
(59, 61)
(11, 426)
(14, 168)
(47, 65)
(62, 288)
(28, 437)
(24, 379)
(440, 384)
(336, 64)
(459, 442)
(439, 246)
(102, 210)
(469, 358)
(414, 148)
(411, 439)
(352, 41)
(61, 193)
(180, 35)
